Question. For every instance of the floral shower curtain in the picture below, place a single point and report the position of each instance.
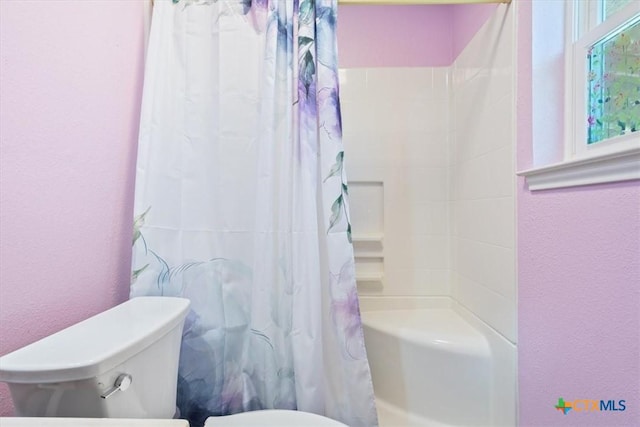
(241, 206)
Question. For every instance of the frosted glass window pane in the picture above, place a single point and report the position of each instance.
(614, 84)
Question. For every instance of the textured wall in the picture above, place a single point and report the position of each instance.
(579, 285)
(429, 36)
(466, 20)
(395, 36)
(71, 84)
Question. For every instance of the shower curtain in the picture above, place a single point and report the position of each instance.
(241, 205)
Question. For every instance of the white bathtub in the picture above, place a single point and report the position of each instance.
(435, 364)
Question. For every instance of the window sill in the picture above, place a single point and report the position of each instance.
(614, 167)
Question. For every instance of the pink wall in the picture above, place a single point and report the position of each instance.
(407, 36)
(71, 80)
(71, 84)
(395, 36)
(579, 286)
(466, 21)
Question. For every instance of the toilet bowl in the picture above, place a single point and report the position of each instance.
(122, 363)
(273, 418)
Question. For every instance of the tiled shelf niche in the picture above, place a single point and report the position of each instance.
(367, 218)
(368, 245)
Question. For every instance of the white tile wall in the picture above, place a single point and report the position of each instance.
(482, 171)
(440, 142)
(396, 133)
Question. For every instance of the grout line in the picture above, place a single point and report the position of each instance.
(483, 242)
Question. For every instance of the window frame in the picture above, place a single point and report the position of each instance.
(584, 29)
(613, 160)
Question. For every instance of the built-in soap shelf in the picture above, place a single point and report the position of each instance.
(369, 254)
(368, 246)
(367, 209)
(376, 278)
(367, 238)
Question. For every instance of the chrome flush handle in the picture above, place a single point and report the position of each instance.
(122, 383)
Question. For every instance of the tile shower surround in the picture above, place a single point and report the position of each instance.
(439, 144)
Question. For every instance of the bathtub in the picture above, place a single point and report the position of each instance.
(434, 364)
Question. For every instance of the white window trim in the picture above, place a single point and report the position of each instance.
(614, 160)
(600, 169)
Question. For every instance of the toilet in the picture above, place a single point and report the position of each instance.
(272, 418)
(121, 363)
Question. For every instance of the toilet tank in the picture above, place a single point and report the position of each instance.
(70, 373)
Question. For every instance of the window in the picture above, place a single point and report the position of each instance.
(602, 94)
(613, 81)
(604, 76)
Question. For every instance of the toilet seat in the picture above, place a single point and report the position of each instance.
(273, 418)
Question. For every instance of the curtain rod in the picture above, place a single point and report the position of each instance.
(417, 2)
(413, 2)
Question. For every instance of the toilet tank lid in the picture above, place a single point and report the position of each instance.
(95, 345)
